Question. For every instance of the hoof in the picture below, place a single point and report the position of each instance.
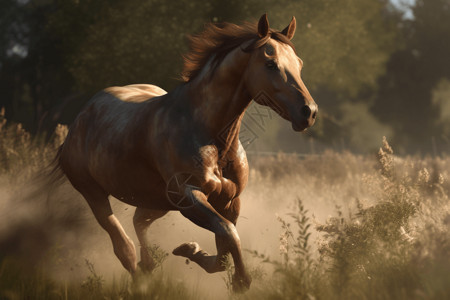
(186, 250)
(146, 268)
(241, 284)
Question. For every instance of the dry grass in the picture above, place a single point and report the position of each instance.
(332, 226)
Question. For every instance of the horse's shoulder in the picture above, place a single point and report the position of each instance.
(135, 92)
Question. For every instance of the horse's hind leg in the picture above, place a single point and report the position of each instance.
(142, 219)
(122, 244)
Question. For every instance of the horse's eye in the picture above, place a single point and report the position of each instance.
(272, 65)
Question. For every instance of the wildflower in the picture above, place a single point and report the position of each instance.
(405, 235)
(283, 244)
(424, 176)
(441, 179)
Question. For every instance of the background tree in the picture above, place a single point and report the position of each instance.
(12, 52)
(405, 98)
(372, 72)
(345, 46)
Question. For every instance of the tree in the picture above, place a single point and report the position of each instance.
(405, 98)
(12, 41)
(345, 46)
(76, 48)
(38, 79)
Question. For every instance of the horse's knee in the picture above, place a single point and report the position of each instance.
(231, 212)
(125, 251)
(124, 248)
(228, 230)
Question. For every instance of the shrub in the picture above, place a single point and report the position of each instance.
(385, 250)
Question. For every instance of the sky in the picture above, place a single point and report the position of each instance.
(405, 6)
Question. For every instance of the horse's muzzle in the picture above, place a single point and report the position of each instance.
(308, 114)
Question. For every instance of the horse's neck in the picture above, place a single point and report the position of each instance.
(220, 100)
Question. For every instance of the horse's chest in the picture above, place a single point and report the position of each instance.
(232, 179)
(224, 192)
(223, 177)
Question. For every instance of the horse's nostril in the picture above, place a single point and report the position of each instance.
(305, 111)
(314, 115)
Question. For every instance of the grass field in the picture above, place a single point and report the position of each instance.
(331, 226)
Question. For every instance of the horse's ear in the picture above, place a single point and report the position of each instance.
(289, 31)
(263, 26)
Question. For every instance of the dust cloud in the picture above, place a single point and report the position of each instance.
(58, 230)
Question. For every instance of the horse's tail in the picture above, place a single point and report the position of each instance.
(55, 175)
(48, 178)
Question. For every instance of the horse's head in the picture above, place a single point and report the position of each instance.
(273, 76)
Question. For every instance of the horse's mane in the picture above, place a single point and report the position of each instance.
(218, 40)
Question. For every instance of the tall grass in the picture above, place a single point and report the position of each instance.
(395, 248)
(388, 237)
(34, 283)
(21, 155)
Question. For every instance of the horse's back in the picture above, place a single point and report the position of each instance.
(115, 120)
(135, 92)
(107, 144)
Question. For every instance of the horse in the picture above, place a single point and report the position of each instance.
(180, 151)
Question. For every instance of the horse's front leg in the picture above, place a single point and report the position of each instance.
(212, 263)
(227, 241)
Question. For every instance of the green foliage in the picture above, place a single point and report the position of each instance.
(440, 96)
(405, 97)
(345, 44)
(94, 282)
(357, 248)
(358, 54)
(356, 126)
(17, 283)
(295, 275)
(78, 47)
(159, 255)
(257, 273)
(296, 264)
(135, 42)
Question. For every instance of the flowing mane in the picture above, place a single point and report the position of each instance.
(218, 40)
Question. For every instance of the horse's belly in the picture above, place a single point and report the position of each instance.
(151, 198)
(155, 200)
(134, 185)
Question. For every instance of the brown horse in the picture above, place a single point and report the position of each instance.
(180, 150)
